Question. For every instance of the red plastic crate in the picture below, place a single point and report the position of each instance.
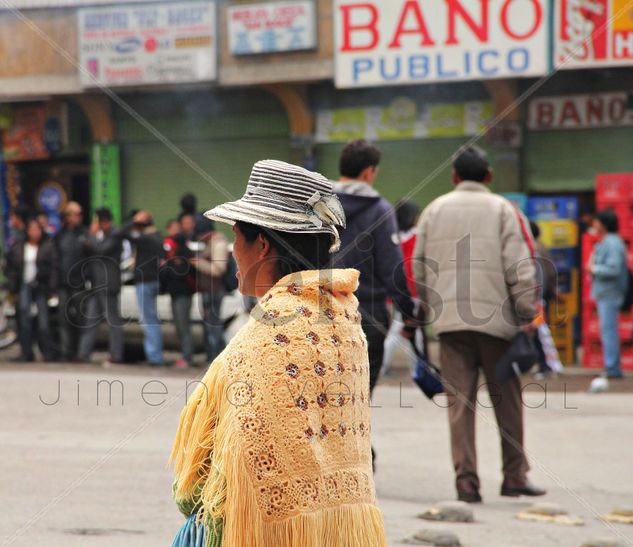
(626, 328)
(588, 243)
(592, 355)
(626, 360)
(590, 325)
(614, 188)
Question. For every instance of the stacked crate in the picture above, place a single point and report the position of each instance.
(557, 217)
(613, 191)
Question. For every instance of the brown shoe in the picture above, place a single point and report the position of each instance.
(516, 489)
(468, 492)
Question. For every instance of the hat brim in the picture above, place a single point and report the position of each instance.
(267, 217)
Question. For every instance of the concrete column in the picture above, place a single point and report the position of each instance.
(508, 175)
(293, 98)
(98, 110)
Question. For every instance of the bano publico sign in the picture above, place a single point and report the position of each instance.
(382, 42)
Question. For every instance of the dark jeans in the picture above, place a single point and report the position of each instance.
(375, 325)
(102, 304)
(30, 295)
(69, 321)
(181, 312)
(213, 326)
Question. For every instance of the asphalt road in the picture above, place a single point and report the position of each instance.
(79, 469)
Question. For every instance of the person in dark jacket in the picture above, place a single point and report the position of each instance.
(103, 251)
(31, 270)
(70, 242)
(148, 245)
(370, 244)
(210, 265)
(176, 276)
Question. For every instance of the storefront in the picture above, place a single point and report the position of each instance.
(46, 157)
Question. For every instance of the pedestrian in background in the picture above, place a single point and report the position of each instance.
(210, 266)
(547, 279)
(32, 273)
(610, 278)
(474, 268)
(103, 250)
(70, 242)
(176, 275)
(18, 218)
(148, 255)
(407, 215)
(370, 244)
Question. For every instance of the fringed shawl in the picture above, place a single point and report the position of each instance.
(273, 447)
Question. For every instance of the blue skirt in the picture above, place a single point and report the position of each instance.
(191, 534)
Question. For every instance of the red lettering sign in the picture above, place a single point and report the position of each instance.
(414, 8)
(480, 30)
(349, 28)
(505, 20)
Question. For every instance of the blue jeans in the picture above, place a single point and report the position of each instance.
(146, 295)
(608, 311)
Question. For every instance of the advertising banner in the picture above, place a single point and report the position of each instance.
(24, 140)
(393, 42)
(272, 27)
(593, 33)
(403, 119)
(147, 44)
(105, 177)
(579, 112)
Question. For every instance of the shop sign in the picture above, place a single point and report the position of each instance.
(147, 44)
(272, 27)
(404, 119)
(24, 140)
(580, 112)
(105, 175)
(593, 33)
(392, 42)
(37, 4)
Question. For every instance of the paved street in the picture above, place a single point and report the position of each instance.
(77, 471)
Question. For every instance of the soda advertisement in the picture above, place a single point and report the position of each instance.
(593, 33)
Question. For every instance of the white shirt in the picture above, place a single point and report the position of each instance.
(30, 268)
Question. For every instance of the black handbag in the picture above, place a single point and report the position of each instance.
(519, 359)
(426, 375)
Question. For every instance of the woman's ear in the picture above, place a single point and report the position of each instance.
(264, 246)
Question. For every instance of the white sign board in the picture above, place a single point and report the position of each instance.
(383, 42)
(579, 112)
(272, 27)
(147, 44)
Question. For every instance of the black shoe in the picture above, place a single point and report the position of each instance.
(468, 490)
(526, 489)
(472, 496)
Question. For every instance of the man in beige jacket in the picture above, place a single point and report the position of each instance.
(474, 269)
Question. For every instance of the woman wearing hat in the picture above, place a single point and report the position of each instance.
(273, 447)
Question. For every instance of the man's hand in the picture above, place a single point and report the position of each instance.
(408, 331)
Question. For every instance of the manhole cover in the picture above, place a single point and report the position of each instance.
(100, 531)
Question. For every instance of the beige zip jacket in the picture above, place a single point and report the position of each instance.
(473, 263)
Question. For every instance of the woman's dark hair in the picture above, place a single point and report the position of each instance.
(296, 251)
(407, 214)
(609, 220)
(33, 220)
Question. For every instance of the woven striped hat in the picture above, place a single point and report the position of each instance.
(287, 198)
